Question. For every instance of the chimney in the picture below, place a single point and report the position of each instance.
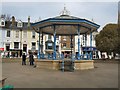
(13, 21)
(28, 21)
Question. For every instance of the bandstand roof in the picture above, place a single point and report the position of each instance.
(65, 25)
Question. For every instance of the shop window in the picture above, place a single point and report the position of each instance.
(33, 46)
(7, 47)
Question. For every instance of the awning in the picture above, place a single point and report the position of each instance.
(89, 48)
(1, 49)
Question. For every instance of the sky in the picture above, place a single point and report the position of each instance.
(102, 13)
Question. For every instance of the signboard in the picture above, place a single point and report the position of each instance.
(89, 48)
(1, 49)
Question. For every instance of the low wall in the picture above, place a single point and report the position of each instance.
(56, 64)
(83, 64)
(48, 64)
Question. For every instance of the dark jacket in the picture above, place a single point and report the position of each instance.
(23, 57)
(31, 59)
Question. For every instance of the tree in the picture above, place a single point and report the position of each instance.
(118, 47)
(107, 40)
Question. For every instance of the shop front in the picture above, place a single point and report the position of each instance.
(15, 53)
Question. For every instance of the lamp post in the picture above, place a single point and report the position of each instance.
(39, 47)
(21, 42)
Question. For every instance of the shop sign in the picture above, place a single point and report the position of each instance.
(1, 49)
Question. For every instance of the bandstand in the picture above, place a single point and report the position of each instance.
(65, 25)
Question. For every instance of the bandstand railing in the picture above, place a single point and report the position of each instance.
(62, 57)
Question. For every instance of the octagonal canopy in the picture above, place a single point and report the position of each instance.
(65, 25)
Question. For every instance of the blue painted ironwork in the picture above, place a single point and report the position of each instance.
(42, 54)
(39, 47)
(91, 45)
(49, 25)
(62, 56)
(78, 42)
(86, 46)
(89, 48)
(67, 20)
(54, 53)
(62, 65)
(71, 46)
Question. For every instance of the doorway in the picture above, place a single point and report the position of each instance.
(24, 47)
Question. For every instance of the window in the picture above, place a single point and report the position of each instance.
(33, 34)
(64, 38)
(19, 24)
(7, 47)
(8, 33)
(49, 37)
(16, 45)
(64, 45)
(33, 46)
(2, 23)
(24, 34)
(17, 34)
(57, 37)
(49, 45)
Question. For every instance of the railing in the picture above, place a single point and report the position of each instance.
(62, 57)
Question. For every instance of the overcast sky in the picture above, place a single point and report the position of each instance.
(101, 12)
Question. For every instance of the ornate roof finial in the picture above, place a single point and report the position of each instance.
(92, 20)
(65, 11)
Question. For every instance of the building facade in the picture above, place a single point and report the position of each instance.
(17, 37)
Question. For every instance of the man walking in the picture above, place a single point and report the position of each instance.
(23, 59)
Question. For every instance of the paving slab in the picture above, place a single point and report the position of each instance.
(104, 75)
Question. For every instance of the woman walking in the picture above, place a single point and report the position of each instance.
(31, 59)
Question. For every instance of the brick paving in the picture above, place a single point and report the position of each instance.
(104, 75)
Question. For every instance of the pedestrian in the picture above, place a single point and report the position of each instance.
(31, 59)
(23, 59)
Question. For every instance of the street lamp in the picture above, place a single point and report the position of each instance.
(38, 49)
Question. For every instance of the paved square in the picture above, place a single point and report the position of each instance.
(105, 75)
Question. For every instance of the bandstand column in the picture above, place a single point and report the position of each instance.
(54, 35)
(71, 46)
(86, 53)
(90, 45)
(42, 46)
(78, 42)
(39, 46)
